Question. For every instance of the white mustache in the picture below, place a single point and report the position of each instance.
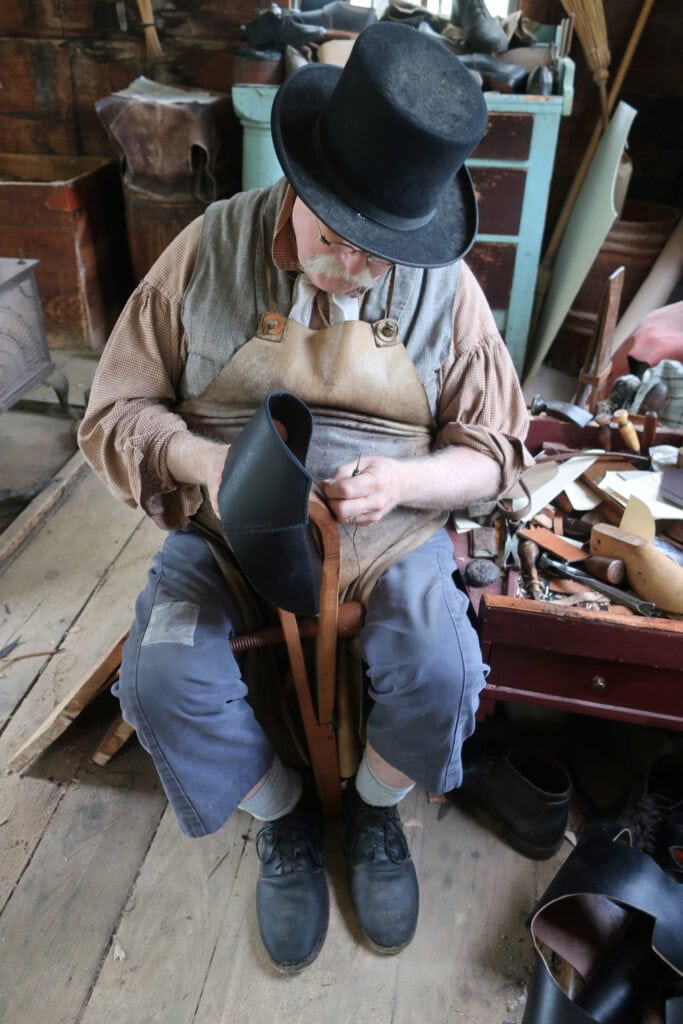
(330, 265)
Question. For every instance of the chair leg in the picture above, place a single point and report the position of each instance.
(320, 737)
(114, 738)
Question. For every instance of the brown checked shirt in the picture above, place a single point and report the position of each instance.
(130, 417)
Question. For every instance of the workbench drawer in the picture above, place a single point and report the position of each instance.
(628, 668)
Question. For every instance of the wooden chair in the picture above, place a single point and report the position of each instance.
(316, 702)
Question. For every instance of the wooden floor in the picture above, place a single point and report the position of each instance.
(108, 914)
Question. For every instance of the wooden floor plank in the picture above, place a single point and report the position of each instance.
(347, 984)
(46, 589)
(28, 522)
(29, 801)
(471, 958)
(58, 923)
(166, 939)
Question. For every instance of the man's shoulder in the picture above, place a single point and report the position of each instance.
(235, 208)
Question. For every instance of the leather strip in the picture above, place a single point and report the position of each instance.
(605, 866)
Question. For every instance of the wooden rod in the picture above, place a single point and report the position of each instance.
(572, 195)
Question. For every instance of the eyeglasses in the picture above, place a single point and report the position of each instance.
(372, 261)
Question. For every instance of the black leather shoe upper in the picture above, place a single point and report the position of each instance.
(527, 794)
(382, 879)
(292, 901)
(263, 501)
(482, 32)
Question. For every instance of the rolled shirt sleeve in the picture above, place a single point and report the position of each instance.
(481, 405)
(129, 418)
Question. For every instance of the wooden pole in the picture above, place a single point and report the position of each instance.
(546, 265)
(572, 195)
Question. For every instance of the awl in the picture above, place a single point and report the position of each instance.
(629, 600)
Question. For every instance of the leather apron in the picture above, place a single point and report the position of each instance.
(367, 399)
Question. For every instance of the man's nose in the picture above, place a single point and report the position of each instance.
(353, 261)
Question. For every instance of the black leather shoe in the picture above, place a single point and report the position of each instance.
(657, 824)
(381, 874)
(497, 76)
(292, 901)
(482, 32)
(525, 792)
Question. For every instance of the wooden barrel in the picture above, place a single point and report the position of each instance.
(634, 242)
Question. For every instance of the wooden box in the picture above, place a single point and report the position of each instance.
(627, 668)
(67, 213)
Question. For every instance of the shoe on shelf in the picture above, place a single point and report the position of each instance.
(482, 32)
(381, 874)
(292, 901)
(524, 792)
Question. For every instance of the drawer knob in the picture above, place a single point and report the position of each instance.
(599, 683)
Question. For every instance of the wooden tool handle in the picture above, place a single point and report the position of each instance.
(611, 570)
(627, 430)
(528, 556)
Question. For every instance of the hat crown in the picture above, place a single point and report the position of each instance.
(377, 149)
(422, 114)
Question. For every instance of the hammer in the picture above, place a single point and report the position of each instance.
(561, 411)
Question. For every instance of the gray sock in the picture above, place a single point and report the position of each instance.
(374, 791)
(277, 796)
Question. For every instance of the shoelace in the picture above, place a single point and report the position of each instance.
(384, 833)
(287, 841)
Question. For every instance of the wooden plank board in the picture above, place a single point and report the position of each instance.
(167, 936)
(472, 956)
(542, 625)
(28, 802)
(458, 969)
(348, 983)
(95, 681)
(59, 921)
(33, 516)
(43, 593)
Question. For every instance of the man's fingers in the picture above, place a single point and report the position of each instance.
(357, 510)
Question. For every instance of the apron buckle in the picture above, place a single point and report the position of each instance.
(272, 326)
(386, 332)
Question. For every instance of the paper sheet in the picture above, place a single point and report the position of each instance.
(567, 472)
(581, 497)
(644, 486)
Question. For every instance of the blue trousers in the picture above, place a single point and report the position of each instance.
(181, 688)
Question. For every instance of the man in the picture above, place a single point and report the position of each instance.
(317, 286)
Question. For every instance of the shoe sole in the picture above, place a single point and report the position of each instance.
(388, 950)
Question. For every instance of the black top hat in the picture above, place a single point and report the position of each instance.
(376, 149)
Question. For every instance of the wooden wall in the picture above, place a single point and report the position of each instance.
(653, 85)
(57, 57)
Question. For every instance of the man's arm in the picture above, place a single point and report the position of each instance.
(196, 460)
(129, 423)
(450, 478)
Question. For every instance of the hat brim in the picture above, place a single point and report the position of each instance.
(447, 237)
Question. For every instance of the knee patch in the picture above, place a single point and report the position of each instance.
(172, 623)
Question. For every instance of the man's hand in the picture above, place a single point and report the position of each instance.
(364, 491)
(196, 460)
